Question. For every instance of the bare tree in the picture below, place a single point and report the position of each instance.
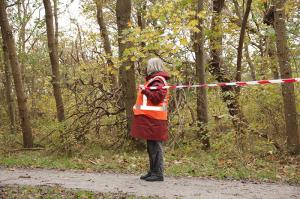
(7, 36)
(54, 61)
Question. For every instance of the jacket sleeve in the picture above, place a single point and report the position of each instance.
(156, 96)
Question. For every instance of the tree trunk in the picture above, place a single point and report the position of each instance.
(250, 64)
(55, 9)
(218, 70)
(288, 93)
(103, 29)
(141, 9)
(105, 39)
(246, 48)
(8, 88)
(22, 14)
(140, 17)
(126, 73)
(271, 50)
(7, 35)
(54, 61)
(241, 42)
(23, 17)
(80, 47)
(202, 109)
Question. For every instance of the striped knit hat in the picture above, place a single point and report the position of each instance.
(154, 65)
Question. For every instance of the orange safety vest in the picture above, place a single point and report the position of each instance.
(143, 106)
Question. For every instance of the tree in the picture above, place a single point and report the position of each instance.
(104, 36)
(238, 76)
(103, 29)
(243, 23)
(24, 18)
(126, 73)
(7, 36)
(288, 92)
(141, 9)
(202, 109)
(54, 61)
(251, 65)
(218, 70)
(8, 88)
(55, 13)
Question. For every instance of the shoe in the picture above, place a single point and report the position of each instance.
(154, 178)
(143, 177)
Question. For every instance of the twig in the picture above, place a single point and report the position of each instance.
(13, 4)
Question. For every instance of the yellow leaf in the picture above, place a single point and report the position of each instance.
(202, 14)
(133, 58)
(193, 23)
(127, 67)
(183, 41)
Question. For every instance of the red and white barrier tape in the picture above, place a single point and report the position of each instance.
(273, 81)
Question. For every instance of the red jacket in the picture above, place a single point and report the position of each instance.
(148, 128)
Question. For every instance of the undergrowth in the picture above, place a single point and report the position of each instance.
(261, 162)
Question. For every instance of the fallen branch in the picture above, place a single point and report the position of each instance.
(25, 149)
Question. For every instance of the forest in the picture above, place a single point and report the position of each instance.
(69, 73)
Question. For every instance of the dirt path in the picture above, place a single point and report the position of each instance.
(170, 188)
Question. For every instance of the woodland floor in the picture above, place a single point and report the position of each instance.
(172, 187)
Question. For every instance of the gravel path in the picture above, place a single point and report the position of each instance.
(170, 188)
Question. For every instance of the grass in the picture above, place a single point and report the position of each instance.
(47, 192)
(185, 161)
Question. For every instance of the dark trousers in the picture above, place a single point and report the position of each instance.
(155, 152)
